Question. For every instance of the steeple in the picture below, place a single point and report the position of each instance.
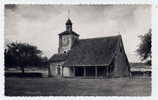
(68, 25)
(67, 38)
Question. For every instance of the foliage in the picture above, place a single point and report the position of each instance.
(22, 55)
(144, 49)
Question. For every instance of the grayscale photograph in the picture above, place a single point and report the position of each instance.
(77, 50)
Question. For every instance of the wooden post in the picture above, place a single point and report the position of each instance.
(104, 71)
(107, 71)
(62, 71)
(84, 71)
(74, 71)
(96, 71)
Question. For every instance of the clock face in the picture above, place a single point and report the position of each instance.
(65, 41)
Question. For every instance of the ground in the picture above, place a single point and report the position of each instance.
(77, 87)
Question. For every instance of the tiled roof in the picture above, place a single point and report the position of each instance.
(95, 51)
(58, 57)
(68, 33)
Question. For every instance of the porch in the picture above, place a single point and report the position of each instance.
(87, 71)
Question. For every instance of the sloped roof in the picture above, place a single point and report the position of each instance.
(68, 22)
(140, 67)
(95, 51)
(68, 33)
(58, 57)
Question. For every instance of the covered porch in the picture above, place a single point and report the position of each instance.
(88, 71)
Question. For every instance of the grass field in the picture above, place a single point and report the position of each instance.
(77, 87)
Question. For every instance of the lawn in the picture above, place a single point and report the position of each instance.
(77, 87)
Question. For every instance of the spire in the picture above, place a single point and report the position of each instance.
(68, 25)
(68, 22)
(68, 13)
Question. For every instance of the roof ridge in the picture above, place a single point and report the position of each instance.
(100, 37)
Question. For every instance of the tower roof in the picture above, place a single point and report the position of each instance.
(68, 33)
(68, 22)
(68, 30)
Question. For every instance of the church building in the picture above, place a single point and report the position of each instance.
(92, 57)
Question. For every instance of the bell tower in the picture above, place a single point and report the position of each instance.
(67, 38)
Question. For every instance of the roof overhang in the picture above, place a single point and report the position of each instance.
(85, 65)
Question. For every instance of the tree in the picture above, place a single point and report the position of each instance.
(144, 49)
(21, 55)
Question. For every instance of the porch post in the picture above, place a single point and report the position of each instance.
(110, 72)
(104, 71)
(107, 70)
(96, 71)
(62, 71)
(74, 71)
(84, 72)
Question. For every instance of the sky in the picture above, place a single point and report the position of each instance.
(40, 25)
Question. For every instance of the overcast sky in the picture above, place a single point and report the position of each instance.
(40, 25)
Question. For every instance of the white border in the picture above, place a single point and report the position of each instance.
(154, 45)
(77, 1)
(1, 49)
